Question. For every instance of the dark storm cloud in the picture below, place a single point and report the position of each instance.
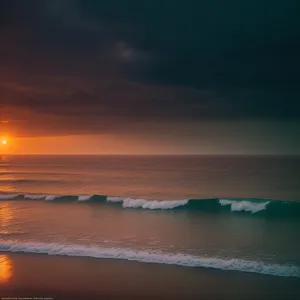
(107, 64)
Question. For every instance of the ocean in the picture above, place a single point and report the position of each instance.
(232, 213)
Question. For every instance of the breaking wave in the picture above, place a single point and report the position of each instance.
(9, 196)
(266, 207)
(153, 257)
(148, 204)
(83, 198)
(244, 205)
(35, 197)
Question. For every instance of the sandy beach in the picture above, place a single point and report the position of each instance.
(55, 277)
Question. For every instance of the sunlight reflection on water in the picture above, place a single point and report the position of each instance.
(6, 215)
(5, 184)
(6, 268)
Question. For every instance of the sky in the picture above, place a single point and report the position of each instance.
(150, 77)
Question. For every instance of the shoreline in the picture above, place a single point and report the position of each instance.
(60, 277)
(150, 257)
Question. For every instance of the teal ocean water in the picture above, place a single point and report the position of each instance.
(229, 213)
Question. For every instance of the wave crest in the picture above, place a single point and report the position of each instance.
(9, 196)
(153, 204)
(265, 207)
(147, 204)
(83, 198)
(34, 197)
(244, 205)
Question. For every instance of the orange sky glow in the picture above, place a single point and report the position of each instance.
(212, 138)
(103, 144)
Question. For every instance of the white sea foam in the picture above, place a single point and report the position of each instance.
(235, 205)
(35, 197)
(134, 203)
(52, 197)
(147, 204)
(9, 196)
(152, 204)
(153, 257)
(244, 205)
(115, 199)
(83, 198)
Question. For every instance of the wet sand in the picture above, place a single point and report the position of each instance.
(55, 277)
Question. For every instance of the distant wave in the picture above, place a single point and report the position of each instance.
(35, 197)
(7, 233)
(9, 196)
(79, 198)
(266, 207)
(42, 172)
(28, 181)
(152, 257)
(4, 165)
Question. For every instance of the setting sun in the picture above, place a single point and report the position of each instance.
(4, 142)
